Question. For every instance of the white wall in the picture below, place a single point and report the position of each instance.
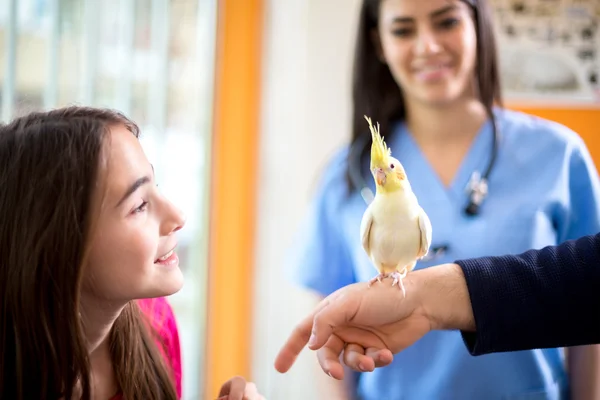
(305, 117)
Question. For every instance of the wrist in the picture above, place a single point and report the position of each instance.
(443, 297)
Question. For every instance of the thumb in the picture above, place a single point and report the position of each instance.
(335, 313)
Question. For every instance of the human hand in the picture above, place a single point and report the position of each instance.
(367, 324)
(238, 389)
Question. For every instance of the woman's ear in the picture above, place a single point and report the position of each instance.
(377, 44)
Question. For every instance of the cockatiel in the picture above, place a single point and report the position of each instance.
(395, 231)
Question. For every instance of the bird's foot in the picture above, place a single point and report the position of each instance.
(378, 278)
(398, 277)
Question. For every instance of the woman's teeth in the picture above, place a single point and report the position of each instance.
(432, 68)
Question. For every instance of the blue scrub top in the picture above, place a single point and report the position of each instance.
(544, 189)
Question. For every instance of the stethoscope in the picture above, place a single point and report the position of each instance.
(477, 188)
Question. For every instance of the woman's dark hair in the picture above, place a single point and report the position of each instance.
(375, 93)
(49, 168)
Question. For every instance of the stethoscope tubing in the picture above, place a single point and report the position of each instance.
(367, 194)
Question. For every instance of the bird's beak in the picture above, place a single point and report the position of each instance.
(380, 176)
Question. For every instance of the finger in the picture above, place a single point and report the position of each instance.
(251, 392)
(234, 388)
(381, 357)
(355, 358)
(293, 346)
(329, 357)
(295, 343)
(251, 389)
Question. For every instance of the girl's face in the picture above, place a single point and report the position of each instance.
(132, 253)
(430, 48)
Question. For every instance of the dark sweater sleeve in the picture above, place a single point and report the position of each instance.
(538, 299)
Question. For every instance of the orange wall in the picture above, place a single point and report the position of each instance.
(234, 169)
(584, 121)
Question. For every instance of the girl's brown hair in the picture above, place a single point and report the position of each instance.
(49, 168)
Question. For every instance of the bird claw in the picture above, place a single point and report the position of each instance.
(398, 277)
(378, 278)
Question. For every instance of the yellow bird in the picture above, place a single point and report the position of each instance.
(395, 231)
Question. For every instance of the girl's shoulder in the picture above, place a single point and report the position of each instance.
(161, 317)
(159, 309)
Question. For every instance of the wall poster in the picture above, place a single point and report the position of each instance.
(549, 50)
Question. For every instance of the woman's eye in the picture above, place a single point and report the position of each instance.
(449, 23)
(401, 32)
(141, 208)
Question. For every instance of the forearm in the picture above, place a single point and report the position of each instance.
(583, 364)
(444, 297)
(539, 299)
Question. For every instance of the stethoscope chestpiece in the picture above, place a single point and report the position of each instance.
(472, 209)
(478, 190)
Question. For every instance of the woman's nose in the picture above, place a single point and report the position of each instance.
(427, 42)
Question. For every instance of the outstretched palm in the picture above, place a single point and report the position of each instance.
(363, 322)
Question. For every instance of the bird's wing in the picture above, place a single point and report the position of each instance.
(365, 229)
(425, 228)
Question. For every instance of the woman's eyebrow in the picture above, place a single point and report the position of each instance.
(433, 14)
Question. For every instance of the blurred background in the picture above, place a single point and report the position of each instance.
(240, 104)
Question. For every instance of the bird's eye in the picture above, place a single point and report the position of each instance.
(392, 166)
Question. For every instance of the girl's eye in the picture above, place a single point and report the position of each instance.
(141, 208)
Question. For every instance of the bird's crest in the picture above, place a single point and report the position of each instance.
(379, 150)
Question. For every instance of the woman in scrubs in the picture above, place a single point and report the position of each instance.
(427, 72)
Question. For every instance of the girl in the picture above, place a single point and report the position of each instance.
(84, 234)
(427, 71)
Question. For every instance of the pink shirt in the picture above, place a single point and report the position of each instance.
(161, 317)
